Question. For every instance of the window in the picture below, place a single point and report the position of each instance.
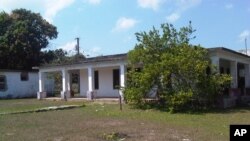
(221, 70)
(96, 80)
(208, 70)
(116, 78)
(2, 83)
(228, 71)
(24, 76)
(74, 78)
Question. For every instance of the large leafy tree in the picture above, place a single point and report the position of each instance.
(165, 61)
(22, 36)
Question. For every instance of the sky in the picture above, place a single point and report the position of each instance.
(109, 26)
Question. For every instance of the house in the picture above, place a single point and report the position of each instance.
(237, 65)
(100, 75)
(18, 83)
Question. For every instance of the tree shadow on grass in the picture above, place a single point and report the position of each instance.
(194, 111)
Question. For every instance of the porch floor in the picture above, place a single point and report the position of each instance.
(85, 99)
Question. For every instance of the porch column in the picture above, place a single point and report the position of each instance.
(69, 81)
(247, 75)
(234, 73)
(122, 80)
(41, 93)
(65, 84)
(90, 83)
(216, 61)
(41, 81)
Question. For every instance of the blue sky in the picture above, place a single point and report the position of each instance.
(109, 26)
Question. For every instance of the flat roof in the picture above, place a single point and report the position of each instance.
(123, 56)
(228, 50)
(16, 70)
(105, 58)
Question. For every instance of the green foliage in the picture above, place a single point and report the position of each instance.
(59, 56)
(165, 60)
(22, 35)
(179, 101)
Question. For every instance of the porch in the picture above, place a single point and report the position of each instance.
(99, 77)
(238, 66)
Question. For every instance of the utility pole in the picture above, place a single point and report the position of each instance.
(246, 45)
(77, 45)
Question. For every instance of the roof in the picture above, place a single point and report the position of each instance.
(228, 50)
(14, 70)
(117, 57)
(106, 58)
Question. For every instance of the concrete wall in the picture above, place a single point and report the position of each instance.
(105, 82)
(83, 82)
(17, 88)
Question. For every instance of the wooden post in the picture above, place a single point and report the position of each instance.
(120, 102)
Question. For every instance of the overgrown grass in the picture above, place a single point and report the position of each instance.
(95, 120)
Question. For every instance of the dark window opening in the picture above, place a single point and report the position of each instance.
(138, 70)
(75, 77)
(208, 70)
(116, 79)
(96, 80)
(228, 71)
(221, 70)
(24, 76)
(3, 83)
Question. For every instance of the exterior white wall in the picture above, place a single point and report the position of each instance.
(105, 82)
(83, 82)
(17, 88)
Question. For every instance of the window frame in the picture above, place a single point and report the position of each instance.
(96, 79)
(116, 79)
(4, 83)
(24, 76)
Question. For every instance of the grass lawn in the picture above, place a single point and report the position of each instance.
(97, 121)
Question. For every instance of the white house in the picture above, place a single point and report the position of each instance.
(101, 75)
(18, 83)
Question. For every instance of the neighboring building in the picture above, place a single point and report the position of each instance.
(18, 83)
(100, 75)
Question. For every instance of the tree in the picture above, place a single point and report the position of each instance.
(59, 56)
(22, 36)
(166, 61)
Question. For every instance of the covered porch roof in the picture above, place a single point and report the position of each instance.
(99, 61)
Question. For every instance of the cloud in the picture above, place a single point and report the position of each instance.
(94, 2)
(151, 4)
(69, 47)
(244, 34)
(95, 51)
(8, 5)
(124, 23)
(173, 17)
(48, 8)
(181, 6)
(229, 6)
(52, 7)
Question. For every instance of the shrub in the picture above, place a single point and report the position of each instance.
(179, 101)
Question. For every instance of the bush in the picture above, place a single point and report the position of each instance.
(179, 101)
(133, 96)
